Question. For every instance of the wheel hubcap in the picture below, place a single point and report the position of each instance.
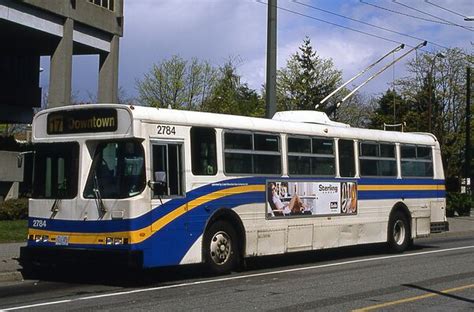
(221, 248)
(399, 232)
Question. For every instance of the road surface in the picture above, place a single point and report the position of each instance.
(437, 274)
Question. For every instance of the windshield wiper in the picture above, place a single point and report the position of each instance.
(55, 207)
(97, 196)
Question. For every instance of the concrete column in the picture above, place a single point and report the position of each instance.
(61, 69)
(108, 73)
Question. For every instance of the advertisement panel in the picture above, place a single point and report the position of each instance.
(311, 198)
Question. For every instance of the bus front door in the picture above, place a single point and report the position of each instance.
(167, 172)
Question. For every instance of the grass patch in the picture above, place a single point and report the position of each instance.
(13, 231)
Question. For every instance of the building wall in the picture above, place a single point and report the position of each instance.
(60, 29)
(85, 12)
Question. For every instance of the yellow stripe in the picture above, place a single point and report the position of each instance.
(401, 187)
(142, 234)
(391, 303)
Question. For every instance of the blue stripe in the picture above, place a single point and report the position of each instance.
(100, 226)
(371, 195)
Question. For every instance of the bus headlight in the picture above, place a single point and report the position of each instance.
(116, 241)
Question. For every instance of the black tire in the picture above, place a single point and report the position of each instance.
(220, 248)
(399, 234)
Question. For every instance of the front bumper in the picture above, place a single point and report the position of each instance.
(438, 227)
(64, 256)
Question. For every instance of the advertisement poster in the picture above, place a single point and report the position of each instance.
(311, 198)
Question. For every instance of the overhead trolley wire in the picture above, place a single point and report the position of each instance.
(331, 23)
(431, 15)
(445, 9)
(340, 26)
(405, 14)
(369, 24)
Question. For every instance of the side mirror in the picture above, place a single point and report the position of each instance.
(21, 156)
(19, 159)
(160, 176)
(159, 185)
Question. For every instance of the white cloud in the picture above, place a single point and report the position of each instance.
(215, 30)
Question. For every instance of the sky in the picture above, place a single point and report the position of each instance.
(216, 30)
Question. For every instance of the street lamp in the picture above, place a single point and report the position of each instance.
(469, 18)
(430, 88)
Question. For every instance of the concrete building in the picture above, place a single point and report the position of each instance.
(60, 29)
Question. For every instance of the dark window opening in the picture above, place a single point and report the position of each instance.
(346, 158)
(377, 159)
(416, 161)
(56, 168)
(247, 153)
(203, 151)
(311, 156)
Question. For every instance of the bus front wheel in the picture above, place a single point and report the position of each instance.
(399, 236)
(220, 247)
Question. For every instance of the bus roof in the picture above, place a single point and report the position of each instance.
(318, 128)
(322, 126)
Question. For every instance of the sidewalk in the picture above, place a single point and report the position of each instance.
(458, 225)
(9, 267)
(9, 253)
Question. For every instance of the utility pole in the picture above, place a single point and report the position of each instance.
(468, 159)
(271, 58)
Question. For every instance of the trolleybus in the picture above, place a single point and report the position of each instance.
(146, 187)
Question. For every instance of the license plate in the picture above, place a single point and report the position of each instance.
(62, 240)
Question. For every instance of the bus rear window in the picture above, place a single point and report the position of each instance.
(416, 161)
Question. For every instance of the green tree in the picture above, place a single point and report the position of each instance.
(306, 80)
(432, 99)
(357, 111)
(177, 83)
(389, 107)
(230, 96)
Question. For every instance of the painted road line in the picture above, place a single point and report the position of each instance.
(411, 299)
(217, 280)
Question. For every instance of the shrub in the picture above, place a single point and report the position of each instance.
(457, 202)
(14, 209)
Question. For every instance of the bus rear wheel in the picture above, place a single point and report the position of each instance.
(220, 248)
(399, 236)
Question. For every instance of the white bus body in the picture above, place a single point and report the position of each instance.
(150, 187)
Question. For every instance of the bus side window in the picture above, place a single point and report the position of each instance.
(203, 151)
(346, 158)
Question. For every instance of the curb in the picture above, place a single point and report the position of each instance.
(11, 277)
(452, 234)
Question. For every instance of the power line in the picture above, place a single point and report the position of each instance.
(369, 24)
(405, 14)
(445, 9)
(434, 16)
(401, 13)
(331, 23)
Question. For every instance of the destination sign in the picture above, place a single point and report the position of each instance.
(82, 121)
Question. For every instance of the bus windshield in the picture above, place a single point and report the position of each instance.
(117, 171)
(56, 170)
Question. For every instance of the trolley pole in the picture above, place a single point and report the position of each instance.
(271, 58)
